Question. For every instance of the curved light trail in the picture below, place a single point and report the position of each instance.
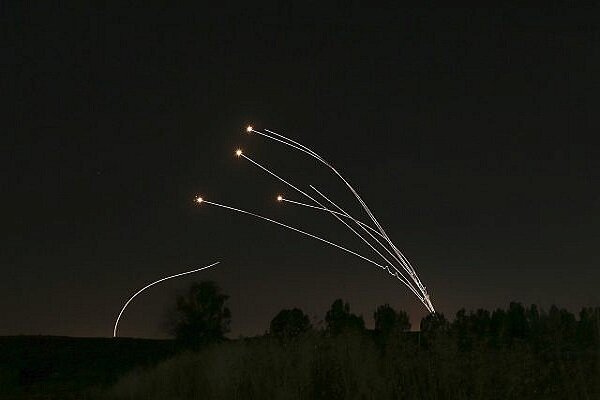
(239, 153)
(152, 284)
(200, 200)
(298, 146)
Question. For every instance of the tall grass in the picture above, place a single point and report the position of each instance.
(360, 366)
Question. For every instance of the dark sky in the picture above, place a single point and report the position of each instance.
(470, 133)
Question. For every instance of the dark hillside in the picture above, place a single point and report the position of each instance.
(64, 367)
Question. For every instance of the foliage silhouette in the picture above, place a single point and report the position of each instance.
(289, 324)
(518, 352)
(201, 316)
(339, 319)
(388, 320)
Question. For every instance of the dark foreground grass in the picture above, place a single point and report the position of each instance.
(361, 366)
(50, 367)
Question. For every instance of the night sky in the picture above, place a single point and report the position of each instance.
(468, 132)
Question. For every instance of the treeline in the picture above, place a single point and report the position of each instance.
(201, 317)
(556, 328)
(514, 353)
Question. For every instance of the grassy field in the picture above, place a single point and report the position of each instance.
(49, 367)
(516, 353)
(355, 366)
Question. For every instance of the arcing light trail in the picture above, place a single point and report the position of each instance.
(301, 147)
(281, 198)
(298, 146)
(239, 153)
(152, 284)
(360, 223)
(377, 234)
(402, 261)
(200, 200)
(408, 270)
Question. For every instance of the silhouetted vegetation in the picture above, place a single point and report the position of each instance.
(389, 321)
(201, 316)
(289, 324)
(514, 353)
(517, 353)
(339, 319)
(51, 367)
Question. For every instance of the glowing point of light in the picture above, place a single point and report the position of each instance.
(249, 128)
(199, 199)
(280, 198)
(238, 152)
(420, 291)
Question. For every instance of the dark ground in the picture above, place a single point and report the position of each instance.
(454, 363)
(47, 367)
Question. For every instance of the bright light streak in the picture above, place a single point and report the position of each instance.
(280, 198)
(402, 261)
(249, 128)
(152, 284)
(313, 154)
(278, 177)
(287, 141)
(238, 152)
(199, 199)
(298, 146)
(309, 235)
(364, 226)
(375, 231)
(333, 214)
(408, 270)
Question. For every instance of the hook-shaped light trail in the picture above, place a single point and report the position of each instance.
(152, 284)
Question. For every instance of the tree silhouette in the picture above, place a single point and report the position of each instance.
(435, 323)
(516, 322)
(201, 316)
(388, 320)
(339, 318)
(588, 331)
(289, 324)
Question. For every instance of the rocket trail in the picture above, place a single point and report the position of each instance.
(200, 200)
(375, 231)
(406, 268)
(152, 284)
(239, 153)
(278, 177)
(402, 261)
(345, 215)
(305, 149)
(298, 146)
(312, 153)
(360, 223)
